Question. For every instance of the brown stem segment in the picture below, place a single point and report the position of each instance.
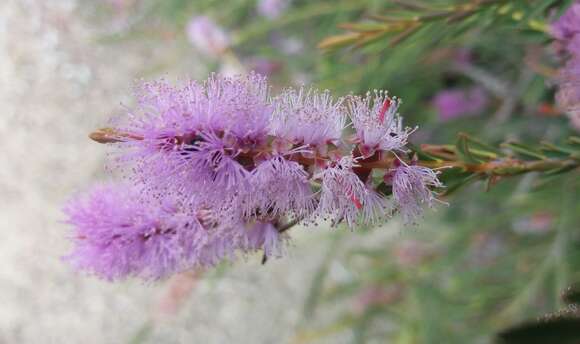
(497, 167)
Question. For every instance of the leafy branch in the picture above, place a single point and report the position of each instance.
(408, 17)
(471, 159)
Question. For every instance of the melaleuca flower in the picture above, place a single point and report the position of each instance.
(308, 117)
(220, 169)
(343, 195)
(214, 160)
(152, 139)
(190, 137)
(207, 36)
(117, 234)
(411, 189)
(278, 187)
(238, 105)
(377, 123)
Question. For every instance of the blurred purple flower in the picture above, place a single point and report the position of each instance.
(568, 25)
(205, 35)
(567, 31)
(462, 56)
(568, 95)
(455, 103)
(272, 9)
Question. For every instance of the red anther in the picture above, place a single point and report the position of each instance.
(356, 202)
(384, 109)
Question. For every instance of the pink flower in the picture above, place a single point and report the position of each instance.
(567, 31)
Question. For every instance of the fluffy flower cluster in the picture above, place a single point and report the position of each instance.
(567, 32)
(219, 168)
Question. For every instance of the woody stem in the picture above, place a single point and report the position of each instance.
(503, 167)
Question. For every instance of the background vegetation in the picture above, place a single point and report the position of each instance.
(505, 249)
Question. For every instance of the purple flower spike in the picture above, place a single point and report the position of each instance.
(377, 122)
(117, 235)
(411, 190)
(214, 169)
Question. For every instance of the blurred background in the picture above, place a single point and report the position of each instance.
(499, 253)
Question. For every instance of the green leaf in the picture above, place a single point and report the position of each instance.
(480, 145)
(452, 187)
(524, 150)
(554, 151)
(421, 154)
(463, 150)
(561, 170)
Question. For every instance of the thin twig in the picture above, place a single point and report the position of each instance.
(281, 230)
(289, 225)
(493, 84)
